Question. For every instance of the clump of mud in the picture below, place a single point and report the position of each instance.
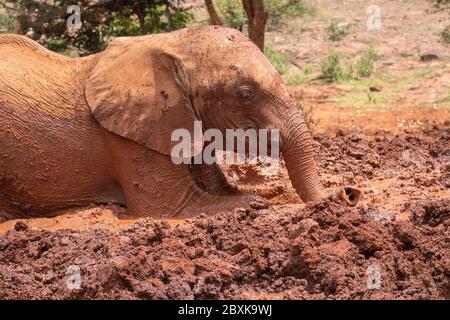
(322, 251)
(393, 245)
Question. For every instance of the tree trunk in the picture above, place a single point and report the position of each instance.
(213, 15)
(18, 26)
(140, 12)
(257, 18)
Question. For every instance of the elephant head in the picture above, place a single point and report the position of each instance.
(143, 88)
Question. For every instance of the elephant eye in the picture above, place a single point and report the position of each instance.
(245, 93)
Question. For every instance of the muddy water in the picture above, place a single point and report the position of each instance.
(82, 220)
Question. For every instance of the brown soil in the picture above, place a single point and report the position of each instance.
(289, 251)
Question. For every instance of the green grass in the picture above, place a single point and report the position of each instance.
(444, 101)
(355, 79)
(360, 98)
(392, 84)
(336, 33)
(294, 79)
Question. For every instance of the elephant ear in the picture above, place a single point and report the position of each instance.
(141, 92)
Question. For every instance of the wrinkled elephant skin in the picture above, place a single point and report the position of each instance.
(98, 129)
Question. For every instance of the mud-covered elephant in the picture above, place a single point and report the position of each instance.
(98, 129)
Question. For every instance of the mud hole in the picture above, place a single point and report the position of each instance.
(393, 245)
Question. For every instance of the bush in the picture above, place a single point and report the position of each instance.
(123, 24)
(336, 33)
(232, 12)
(366, 65)
(445, 35)
(280, 60)
(158, 18)
(6, 23)
(56, 44)
(297, 78)
(440, 5)
(278, 10)
(234, 16)
(101, 21)
(331, 68)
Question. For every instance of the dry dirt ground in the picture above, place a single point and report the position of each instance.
(393, 245)
(410, 94)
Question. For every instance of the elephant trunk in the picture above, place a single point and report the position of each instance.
(298, 154)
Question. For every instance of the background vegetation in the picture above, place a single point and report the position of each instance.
(358, 71)
(443, 5)
(45, 21)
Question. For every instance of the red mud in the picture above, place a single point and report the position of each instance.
(288, 251)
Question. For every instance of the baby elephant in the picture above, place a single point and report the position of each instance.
(98, 129)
